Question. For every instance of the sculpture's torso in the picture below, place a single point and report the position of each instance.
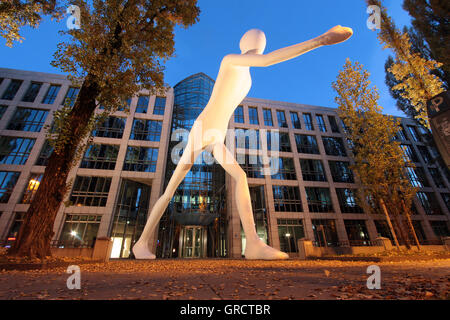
(231, 87)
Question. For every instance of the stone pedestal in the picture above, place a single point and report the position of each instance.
(384, 242)
(102, 249)
(446, 242)
(305, 248)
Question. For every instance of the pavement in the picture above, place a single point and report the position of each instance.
(216, 279)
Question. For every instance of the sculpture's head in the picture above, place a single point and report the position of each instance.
(253, 39)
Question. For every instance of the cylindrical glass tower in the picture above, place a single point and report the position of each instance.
(194, 225)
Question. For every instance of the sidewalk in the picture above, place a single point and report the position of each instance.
(233, 279)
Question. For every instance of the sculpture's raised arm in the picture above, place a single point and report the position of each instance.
(335, 35)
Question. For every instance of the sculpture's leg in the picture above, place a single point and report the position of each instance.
(255, 248)
(140, 249)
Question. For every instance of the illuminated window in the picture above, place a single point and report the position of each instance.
(31, 187)
(79, 231)
(289, 232)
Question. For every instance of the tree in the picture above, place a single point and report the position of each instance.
(417, 83)
(15, 14)
(119, 50)
(418, 45)
(379, 162)
(431, 19)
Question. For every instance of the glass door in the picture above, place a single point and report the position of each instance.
(192, 240)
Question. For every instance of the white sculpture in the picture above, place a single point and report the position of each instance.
(209, 130)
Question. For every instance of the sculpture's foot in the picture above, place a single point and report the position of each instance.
(336, 35)
(260, 250)
(141, 251)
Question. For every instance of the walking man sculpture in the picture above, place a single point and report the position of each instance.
(209, 131)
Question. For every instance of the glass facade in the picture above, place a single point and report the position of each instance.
(27, 119)
(130, 216)
(199, 200)
(15, 150)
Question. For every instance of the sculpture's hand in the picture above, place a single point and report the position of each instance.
(336, 34)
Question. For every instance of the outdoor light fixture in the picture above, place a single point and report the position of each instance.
(287, 234)
(73, 233)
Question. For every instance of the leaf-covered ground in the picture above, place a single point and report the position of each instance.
(233, 279)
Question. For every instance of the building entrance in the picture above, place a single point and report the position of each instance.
(193, 242)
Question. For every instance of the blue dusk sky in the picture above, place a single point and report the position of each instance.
(200, 48)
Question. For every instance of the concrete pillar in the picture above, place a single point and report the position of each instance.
(102, 249)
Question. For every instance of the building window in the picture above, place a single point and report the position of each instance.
(325, 234)
(253, 115)
(112, 127)
(429, 203)
(295, 120)
(437, 177)
(286, 170)
(417, 177)
(15, 228)
(90, 191)
(281, 119)
(160, 105)
(306, 144)
(12, 89)
(142, 104)
(414, 134)
(426, 156)
(284, 144)
(321, 123)
(149, 130)
(30, 190)
(239, 114)
(79, 231)
(383, 229)
(289, 232)
(15, 150)
(45, 154)
(357, 232)
(308, 121)
(333, 124)
(268, 121)
(2, 110)
(100, 156)
(408, 153)
(253, 167)
(334, 146)
(247, 138)
(32, 92)
(52, 92)
(401, 134)
(287, 199)
(347, 200)
(341, 172)
(312, 170)
(319, 199)
(27, 119)
(141, 159)
(7, 183)
(440, 228)
(446, 198)
(71, 96)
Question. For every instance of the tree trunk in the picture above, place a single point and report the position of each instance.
(411, 227)
(383, 207)
(36, 232)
